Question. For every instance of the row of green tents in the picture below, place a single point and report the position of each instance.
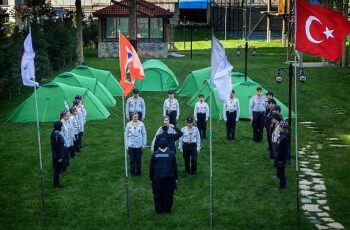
(99, 87)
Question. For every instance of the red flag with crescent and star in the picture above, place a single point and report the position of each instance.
(320, 31)
(130, 65)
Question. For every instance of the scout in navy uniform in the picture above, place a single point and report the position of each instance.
(201, 115)
(282, 151)
(189, 145)
(275, 133)
(257, 109)
(171, 108)
(57, 147)
(135, 104)
(268, 123)
(135, 139)
(231, 113)
(170, 137)
(163, 175)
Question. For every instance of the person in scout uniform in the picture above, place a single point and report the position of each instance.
(257, 109)
(135, 104)
(171, 108)
(201, 115)
(231, 113)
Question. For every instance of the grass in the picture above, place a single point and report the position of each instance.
(245, 198)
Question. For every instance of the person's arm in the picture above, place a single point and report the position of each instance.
(195, 112)
(251, 105)
(198, 140)
(178, 110)
(180, 140)
(126, 136)
(143, 109)
(144, 136)
(151, 168)
(224, 112)
(175, 167)
(238, 111)
(156, 143)
(178, 133)
(153, 143)
(164, 108)
(207, 112)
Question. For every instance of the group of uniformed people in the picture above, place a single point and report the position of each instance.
(66, 137)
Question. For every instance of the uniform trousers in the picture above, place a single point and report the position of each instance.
(231, 125)
(258, 125)
(163, 193)
(135, 161)
(280, 173)
(172, 117)
(65, 158)
(190, 156)
(56, 173)
(202, 124)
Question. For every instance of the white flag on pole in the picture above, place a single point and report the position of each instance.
(220, 70)
(27, 65)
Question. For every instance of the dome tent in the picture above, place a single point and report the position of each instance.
(105, 77)
(92, 84)
(51, 101)
(158, 77)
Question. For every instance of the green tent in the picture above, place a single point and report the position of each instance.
(158, 77)
(51, 101)
(236, 77)
(92, 84)
(105, 77)
(193, 82)
(244, 91)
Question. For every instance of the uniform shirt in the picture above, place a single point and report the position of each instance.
(135, 105)
(171, 105)
(257, 104)
(135, 134)
(67, 133)
(190, 136)
(81, 116)
(201, 107)
(275, 133)
(231, 105)
(73, 120)
(160, 131)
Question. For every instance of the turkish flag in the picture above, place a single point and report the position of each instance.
(320, 31)
(130, 65)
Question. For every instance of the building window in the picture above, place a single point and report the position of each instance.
(3, 2)
(142, 28)
(111, 28)
(123, 24)
(156, 28)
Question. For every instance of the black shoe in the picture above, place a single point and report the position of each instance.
(58, 186)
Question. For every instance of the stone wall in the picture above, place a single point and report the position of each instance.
(144, 50)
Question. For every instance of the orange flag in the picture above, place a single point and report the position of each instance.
(130, 65)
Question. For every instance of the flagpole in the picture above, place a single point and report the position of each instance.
(296, 137)
(211, 161)
(43, 212)
(126, 169)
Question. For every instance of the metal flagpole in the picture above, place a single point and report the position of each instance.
(211, 161)
(126, 169)
(43, 211)
(296, 137)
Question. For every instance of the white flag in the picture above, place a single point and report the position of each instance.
(220, 70)
(27, 65)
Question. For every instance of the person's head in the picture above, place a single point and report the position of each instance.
(284, 127)
(135, 93)
(76, 103)
(276, 117)
(73, 111)
(64, 115)
(269, 95)
(277, 109)
(271, 103)
(201, 97)
(163, 143)
(165, 128)
(166, 120)
(171, 94)
(135, 117)
(189, 122)
(258, 91)
(78, 98)
(57, 126)
(233, 93)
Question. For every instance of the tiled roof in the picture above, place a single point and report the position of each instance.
(144, 8)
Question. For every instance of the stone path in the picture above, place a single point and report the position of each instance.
(311, 184)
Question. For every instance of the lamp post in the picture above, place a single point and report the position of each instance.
(252, 51)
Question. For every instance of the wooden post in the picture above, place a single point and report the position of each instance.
(268, 27)
(283, 30)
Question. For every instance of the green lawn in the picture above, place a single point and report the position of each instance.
(245, 197)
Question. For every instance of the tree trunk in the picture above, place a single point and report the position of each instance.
(79, 32)
(133, 24)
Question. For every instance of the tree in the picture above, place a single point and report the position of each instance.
(133, 24)
(79, 32)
